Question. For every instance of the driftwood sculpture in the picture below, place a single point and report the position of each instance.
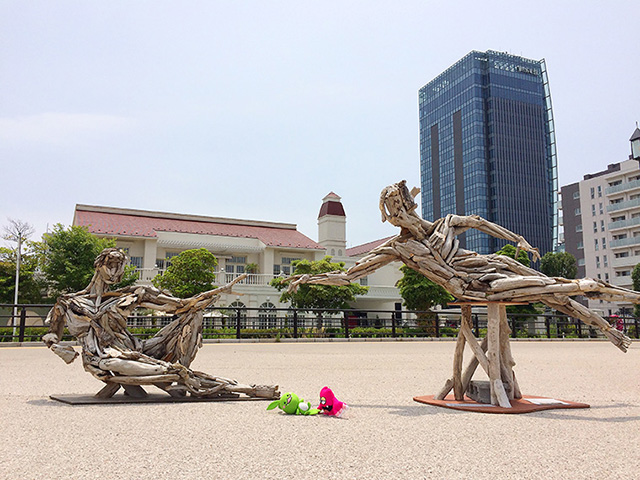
(432, 249)
(97, 318)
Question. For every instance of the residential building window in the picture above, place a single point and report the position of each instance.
(597, 262)
(606, 277)
(601, 209)
(167, 258)
(595, 242)
(622, 255)
(621, 218)
(604, 243)
(615, 182)
(286, 266)
(605, 261)
(581, 262)
(616, 201)
(622, 236)
(577, 211)
(580, 245)
(623, 273)
(579, 228)
(136, 261)
(364, 281)
(595, 227)
(593, 210)
(576, 195)
(602, 225)
(599, 277)
(592, 193)
(599, 190)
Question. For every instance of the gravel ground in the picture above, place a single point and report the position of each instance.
(386, 435)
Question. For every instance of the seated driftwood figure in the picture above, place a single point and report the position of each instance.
(97, 317)
(432, 249)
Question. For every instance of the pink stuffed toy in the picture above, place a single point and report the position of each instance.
(330, 405)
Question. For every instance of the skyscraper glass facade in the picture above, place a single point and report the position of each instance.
(487, 147)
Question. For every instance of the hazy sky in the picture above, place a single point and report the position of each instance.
(258, 109)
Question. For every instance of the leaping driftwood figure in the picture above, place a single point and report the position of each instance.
(97, 318)
(432, 249)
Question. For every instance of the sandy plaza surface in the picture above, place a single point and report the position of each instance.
(386, 434)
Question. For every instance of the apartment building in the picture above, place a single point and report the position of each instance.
(601, 216)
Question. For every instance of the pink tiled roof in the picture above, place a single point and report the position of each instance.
(366, 247)
(137, 224)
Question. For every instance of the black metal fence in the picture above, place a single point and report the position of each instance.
(238, 323)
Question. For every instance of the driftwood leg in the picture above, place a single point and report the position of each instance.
(498, 394)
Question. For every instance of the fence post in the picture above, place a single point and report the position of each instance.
(393, 325)
(23, 321)
(238, 324)
(547, 324)
(635, 322)
(437, 325)
(295, 323)
(579, 329)
(346, 323)
(476, 329)
(514, 334)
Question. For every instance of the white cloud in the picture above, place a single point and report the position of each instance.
(62, 129)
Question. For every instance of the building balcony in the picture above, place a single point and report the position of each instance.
(625, 242)
(616, 207)
(623, 187)
(630, 261)
(632, 222)
(624, 282)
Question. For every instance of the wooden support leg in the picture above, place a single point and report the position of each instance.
(472, 366)
(459, 352)
(507, 362)
(135, 391)
(108, 390)
(455, 381)
(498, 394)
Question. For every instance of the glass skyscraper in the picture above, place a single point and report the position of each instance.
(487, 147)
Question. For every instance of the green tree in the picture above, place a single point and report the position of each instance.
(420, 293)
(66, 257)
(559, 264)
(190, 273)
(323, 297)
(30, 286)
(635, 278)
(510, 251)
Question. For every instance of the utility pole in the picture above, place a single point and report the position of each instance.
(17, 231)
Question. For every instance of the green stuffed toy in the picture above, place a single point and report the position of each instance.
(291, 404)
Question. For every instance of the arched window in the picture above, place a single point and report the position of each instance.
(233, 314)
(267, 315)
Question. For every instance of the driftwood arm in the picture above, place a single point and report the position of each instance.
(55, 320)
(463, 223)
(156, 300)
(378, 257)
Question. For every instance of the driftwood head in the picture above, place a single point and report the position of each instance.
(397, 201)
(109, 265)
